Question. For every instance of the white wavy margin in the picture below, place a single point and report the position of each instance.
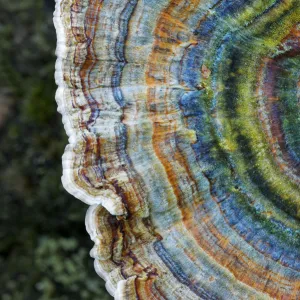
(67, 159)
(109, 200)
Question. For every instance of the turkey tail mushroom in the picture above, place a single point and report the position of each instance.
(183, 124)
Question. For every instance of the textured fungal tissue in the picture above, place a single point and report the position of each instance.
(183, 119)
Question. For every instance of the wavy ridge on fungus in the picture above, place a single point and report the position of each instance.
(182, 122)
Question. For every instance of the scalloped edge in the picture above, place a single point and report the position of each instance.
(113, 205)
(113, 202)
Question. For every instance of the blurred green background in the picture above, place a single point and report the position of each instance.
(44, 247)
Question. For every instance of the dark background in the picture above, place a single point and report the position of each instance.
(44, 247)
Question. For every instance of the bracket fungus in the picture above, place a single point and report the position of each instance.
(183, 123)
